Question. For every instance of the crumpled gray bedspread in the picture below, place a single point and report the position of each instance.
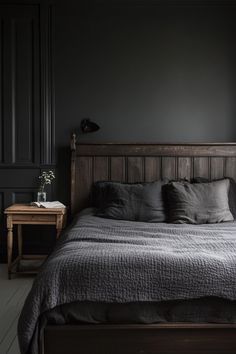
(120, 261)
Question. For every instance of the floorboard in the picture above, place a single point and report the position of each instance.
(12, 296)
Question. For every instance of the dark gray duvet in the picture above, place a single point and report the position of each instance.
(102, 260)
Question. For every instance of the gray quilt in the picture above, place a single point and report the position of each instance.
(120, 261)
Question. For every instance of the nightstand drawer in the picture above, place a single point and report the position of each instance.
(33, 218)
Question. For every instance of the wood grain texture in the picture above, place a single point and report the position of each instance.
(118, 168)
(33, 210)
(24, 214)
(230, 167)
(184, 168)
(132, 149)
(201, 167)
(135, 169)
(145, 163)
(217, 167)
(148, 339)
(152, 169)
(168, 167)
(100, 169)
(82, 183)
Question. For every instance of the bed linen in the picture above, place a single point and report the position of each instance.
(101, 260)
(203, 310)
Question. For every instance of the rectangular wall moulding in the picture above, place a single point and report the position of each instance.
(25, 89)
(22, 114)
(23, 196)
(1, 203)
(2, 228)
(11, 178)
(26, 102)
(21, 81)
(1, 91)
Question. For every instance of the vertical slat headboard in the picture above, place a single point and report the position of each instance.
(145, 163)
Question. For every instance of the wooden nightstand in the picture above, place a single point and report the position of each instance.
(22, 214)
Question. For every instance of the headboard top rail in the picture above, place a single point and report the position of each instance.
(131, 162)
(155, 150)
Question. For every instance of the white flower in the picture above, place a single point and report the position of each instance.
(46, 177)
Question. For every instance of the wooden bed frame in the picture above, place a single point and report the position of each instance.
(133, 163)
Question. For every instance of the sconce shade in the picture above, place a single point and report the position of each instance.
(87, 126)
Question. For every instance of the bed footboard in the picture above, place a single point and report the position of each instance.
(140, 339)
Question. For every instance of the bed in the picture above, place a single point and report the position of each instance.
(132, 163)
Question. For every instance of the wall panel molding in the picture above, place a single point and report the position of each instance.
(47, 86)
(27, 99)
(1, 91)
(26, 103)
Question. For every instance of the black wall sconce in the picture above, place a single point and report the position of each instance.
(87, 126)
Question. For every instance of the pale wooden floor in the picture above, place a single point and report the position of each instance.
(12, 296)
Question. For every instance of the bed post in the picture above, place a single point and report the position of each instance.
(73, 160)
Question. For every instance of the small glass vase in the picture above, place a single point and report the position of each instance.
(41, 197)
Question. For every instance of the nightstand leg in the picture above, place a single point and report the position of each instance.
(9, 250)
(19, 235)
(59, 224)
(58, 232)
(19, 232)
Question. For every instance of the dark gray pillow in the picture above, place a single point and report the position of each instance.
(231, 195)
(198, 203)
(129, 201)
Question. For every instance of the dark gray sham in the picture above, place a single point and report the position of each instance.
(231, 195)
(198, 203)
(129, 201)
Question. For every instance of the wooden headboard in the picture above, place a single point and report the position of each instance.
(145, 163)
